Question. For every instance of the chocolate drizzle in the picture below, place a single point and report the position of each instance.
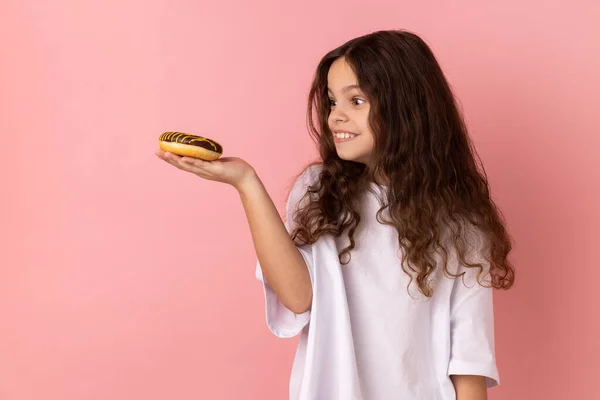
(184, 138)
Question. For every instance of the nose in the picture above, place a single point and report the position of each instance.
(338, 115)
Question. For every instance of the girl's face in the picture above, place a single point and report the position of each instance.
(349, 115)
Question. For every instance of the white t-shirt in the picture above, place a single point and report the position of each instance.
(365, 337)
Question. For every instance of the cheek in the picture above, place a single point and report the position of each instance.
(370, 141)
(364, 118)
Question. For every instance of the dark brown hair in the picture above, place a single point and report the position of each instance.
(436, 191)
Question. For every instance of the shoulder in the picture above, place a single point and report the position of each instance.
(297, 190)
(309, 176)
(298, 187)
(469, 254)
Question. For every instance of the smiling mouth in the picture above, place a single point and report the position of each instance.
(340, 137)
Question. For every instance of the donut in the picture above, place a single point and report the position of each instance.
(184, 144)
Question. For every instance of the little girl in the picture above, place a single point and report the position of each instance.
(391, 243)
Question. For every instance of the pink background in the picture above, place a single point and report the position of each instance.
(124, 278)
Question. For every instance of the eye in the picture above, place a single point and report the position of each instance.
(356, 100)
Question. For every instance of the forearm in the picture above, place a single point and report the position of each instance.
(282, 264)
(469, 387)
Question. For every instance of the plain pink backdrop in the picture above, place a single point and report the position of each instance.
(123, 278)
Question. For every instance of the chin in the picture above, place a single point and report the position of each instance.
(352, 157)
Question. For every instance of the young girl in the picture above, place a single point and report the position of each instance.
(392, 244)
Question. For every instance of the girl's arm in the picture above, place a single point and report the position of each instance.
(469, 387)
(283, 266)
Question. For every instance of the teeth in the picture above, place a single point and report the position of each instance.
(344, 135)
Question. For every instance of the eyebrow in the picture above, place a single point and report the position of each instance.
(345, 88)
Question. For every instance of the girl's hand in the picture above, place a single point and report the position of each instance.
(231, 170)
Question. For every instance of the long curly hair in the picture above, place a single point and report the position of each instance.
(437, 194)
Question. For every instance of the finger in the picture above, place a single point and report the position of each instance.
(170, 156)
(199, 165)
(164, 155)
(188, 164)
(193, 165)
(160, 153)
(211, 169)
(175, 161)
(196, 162)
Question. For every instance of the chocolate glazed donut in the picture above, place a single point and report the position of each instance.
(184, 144)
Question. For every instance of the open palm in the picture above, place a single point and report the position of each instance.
(230, 170)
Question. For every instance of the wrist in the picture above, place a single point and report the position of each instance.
(247, 183)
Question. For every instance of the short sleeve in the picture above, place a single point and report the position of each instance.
(281, 321)
(472, 336)
(472, 349)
